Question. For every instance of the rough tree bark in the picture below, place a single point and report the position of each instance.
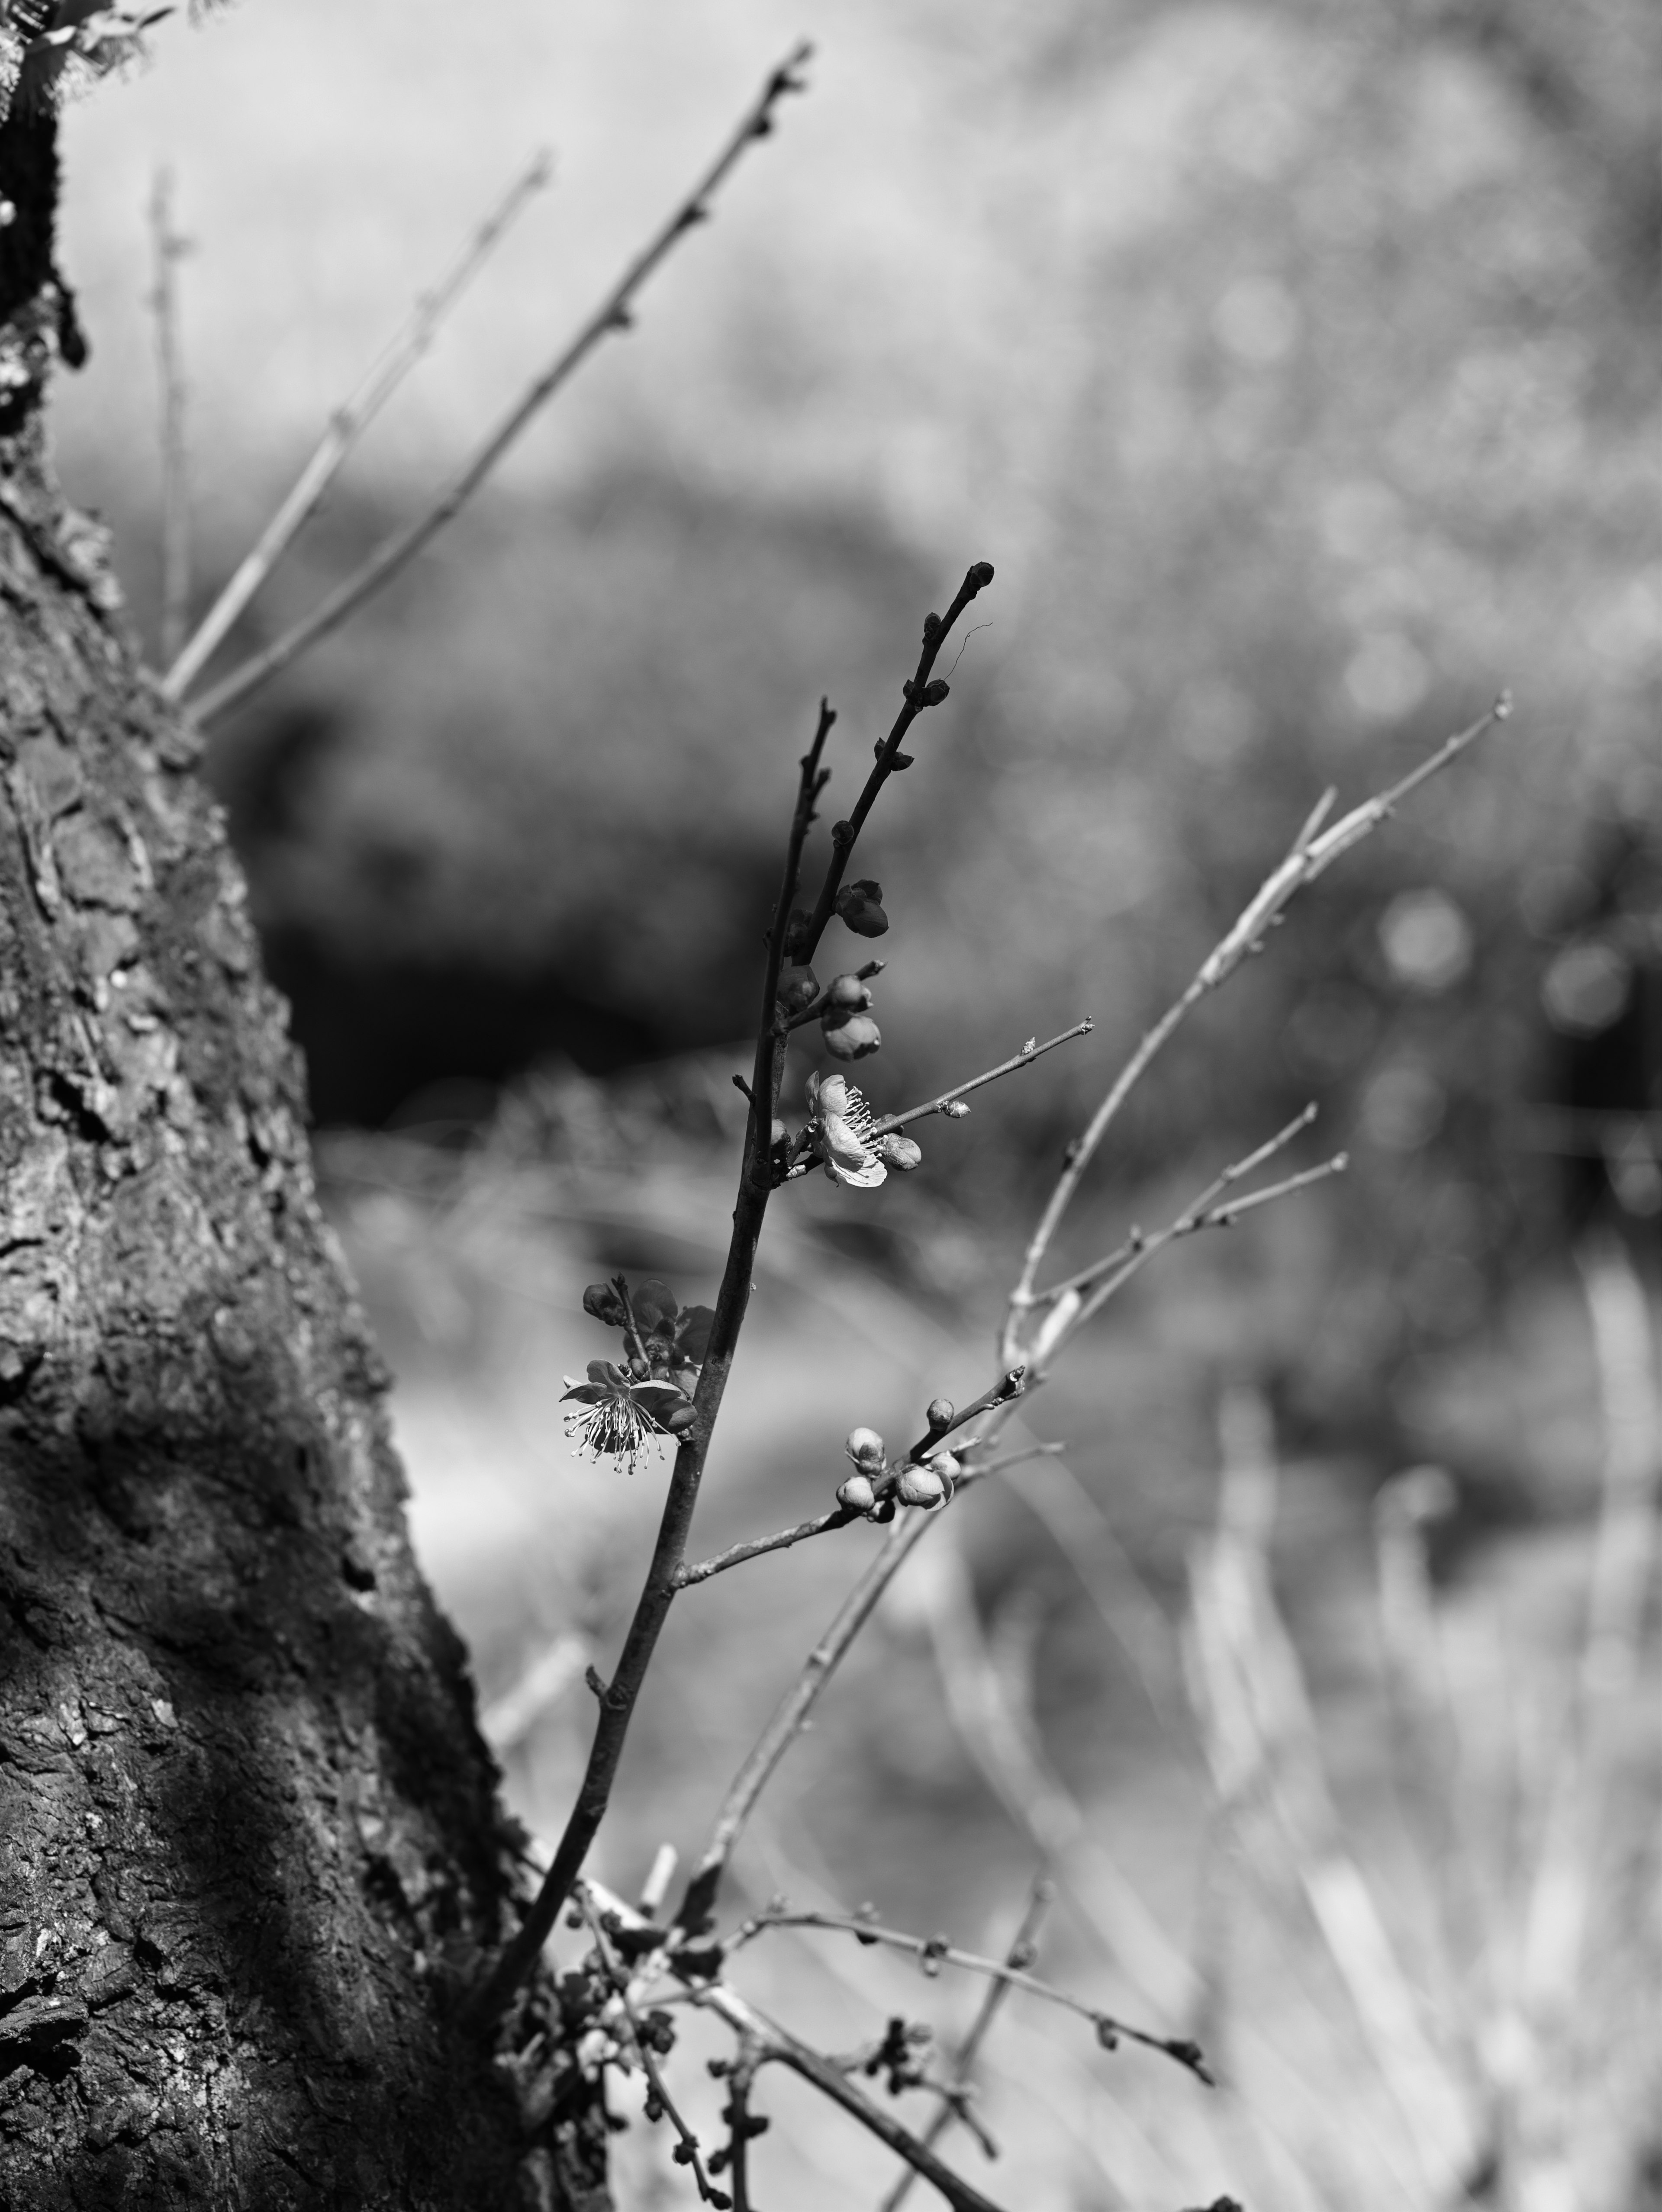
(249, 1827)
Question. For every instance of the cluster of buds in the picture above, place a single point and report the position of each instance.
(624, 1404)
(845, 1024)
(876, 1488)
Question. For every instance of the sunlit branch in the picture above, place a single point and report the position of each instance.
(1313, 851)
(347, 425)
(935, 1951)
(613, 315)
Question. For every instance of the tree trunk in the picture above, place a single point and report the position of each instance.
(251, 1840)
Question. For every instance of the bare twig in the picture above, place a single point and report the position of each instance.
(935, 1951)
(1029, 1053)
(348, 424)
(1313, 851)
(613, 315)
(790, 1717)
(777, 2045)
(691, 2151)
(1020, 1953)
(736, 1554)
(170, 250)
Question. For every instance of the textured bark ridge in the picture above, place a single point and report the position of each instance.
(248, 1826)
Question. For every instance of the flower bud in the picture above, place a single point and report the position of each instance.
(948, 1466)
(920, 1486)
(603, 1302)
(852, 1037)
(939, 1413)
(857, 1493)
(936, 691)
(864, 1447)
(848, 995)
(860, 905)
(681, 1417)
(980, 576)
(779, 1133)
(955, 1109)
(899, 1152)
(798, 988)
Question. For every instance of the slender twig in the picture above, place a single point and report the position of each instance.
(736, 1554)
(348, 424)
(776, 2044)
(791, 1716)
(741, 2081)
(1019, 1954)
(1003, 1392)
(935, 1951)
(1311, 855)
(1029, 1053)
(170, 250)
(692, 2149)
(1197, 1215)
(614, 314)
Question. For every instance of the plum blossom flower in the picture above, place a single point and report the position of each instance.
(615, 1417)
(842, 1121)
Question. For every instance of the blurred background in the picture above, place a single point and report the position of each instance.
(1296, 365)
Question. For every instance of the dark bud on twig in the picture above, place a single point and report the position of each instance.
(931, 628)
(600, 1300)
(981, 575)
(860, 905)
(849, 1036)
(798, 988)
(935, 691)
(841, 833)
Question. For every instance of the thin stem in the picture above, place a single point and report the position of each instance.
(1029, 1053)
(617, 1699)
(777, 2045)
(348, 424)
(618, 1977)
(736, 1554)
(934, 1950)
(1310, 856)
(919, 693)
(1019, 1954)
(170, 250)
(1136, 1246)
(790, 1717)
(613, 315)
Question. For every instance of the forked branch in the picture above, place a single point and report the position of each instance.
(614, 314)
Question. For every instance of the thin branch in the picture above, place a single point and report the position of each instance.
(669, 1552)
(170, 250)
(776, 2044)
(736, 1554)
(1311, 855)
(1019, 1954)
(1029, 1053)
(613, 315)
(1003, 1393)
(348, 424)
(790, 1717)
(1137, 1246)
(935, 1951)
(692, 2149)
